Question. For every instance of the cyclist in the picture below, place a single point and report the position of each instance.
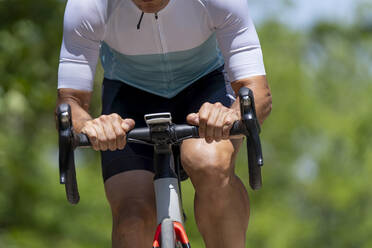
(165, 56)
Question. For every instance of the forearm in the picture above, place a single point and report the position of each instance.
(79, 102)
(104, 132)
(261, 92)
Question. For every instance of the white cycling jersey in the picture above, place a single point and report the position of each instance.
(166, 53)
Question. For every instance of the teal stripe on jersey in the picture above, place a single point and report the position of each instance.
(162, 74)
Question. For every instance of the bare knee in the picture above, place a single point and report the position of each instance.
(132, 200)
(209, 166)
(133, 215)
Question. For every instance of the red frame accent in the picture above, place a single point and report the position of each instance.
(156, 243)
(179, 231)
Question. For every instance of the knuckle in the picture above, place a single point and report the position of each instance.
(218, 104)
(205, 107)
(115, 116)
(206, 104)
(104, 118)
(98, 122)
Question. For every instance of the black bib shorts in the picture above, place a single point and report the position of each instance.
(130, 102)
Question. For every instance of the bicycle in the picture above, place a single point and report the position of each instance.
(163, 135)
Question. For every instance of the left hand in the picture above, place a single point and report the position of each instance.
(214, 121)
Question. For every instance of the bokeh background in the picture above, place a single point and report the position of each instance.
(317, 142)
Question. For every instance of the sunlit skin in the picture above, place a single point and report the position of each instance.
(210, 165)
(221, 200)
(151, 6)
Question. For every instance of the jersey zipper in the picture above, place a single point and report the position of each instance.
(164, 53)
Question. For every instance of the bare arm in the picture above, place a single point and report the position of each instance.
(216, 120)
(261, 92)
(106, 132)
(79, 101)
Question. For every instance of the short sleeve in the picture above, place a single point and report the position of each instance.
(237, 38)
(84, 27)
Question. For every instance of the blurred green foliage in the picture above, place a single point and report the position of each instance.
(317, 142)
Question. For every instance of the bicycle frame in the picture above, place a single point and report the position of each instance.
(162, 134)
(167, 193)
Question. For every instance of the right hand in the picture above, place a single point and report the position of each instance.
(108, 132)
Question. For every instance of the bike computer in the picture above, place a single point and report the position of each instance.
(158, 118)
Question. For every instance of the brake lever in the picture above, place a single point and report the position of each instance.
(67, 140)
(65, 134)
(254, 149)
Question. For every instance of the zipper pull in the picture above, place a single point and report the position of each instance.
(140, 20)
(156, 16)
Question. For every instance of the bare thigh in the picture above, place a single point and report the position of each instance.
(202, 160)
(131, 193)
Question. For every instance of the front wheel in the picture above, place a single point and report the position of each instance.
(167, 234)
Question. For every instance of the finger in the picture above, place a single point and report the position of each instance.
(119, 131)
(127, 124)
(218, 130)
(212, 120)
(193, 119)
(228, 123)
(110, 134)
(203, 118)
(226, 127)
(92, 135)
(102, 139)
